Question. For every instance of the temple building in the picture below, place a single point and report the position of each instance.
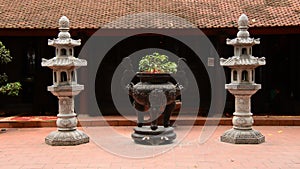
(26, 26)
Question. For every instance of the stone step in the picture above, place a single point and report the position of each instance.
(50, 121)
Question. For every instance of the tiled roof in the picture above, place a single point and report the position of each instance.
(94, 14)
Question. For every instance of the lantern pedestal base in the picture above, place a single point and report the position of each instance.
(66, 138)
(145, 135)
(236, 136)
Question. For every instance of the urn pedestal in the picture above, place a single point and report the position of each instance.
(156, 95)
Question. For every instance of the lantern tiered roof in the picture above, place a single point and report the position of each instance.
(243, 47)
(64, 48)
(64, 37)
(239, 61)
(65, 62)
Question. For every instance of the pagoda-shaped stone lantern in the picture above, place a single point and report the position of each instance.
(65, 87)
(242, 86)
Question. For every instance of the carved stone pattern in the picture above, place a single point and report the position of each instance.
(62, 138)
(242, 137)
(66, 105)
(242, 104)
(140, 92)
(64, 22)
(240, 121)
(65, 123)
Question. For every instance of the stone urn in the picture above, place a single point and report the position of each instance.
(155, 95)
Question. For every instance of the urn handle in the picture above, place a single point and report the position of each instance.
(180, 75)
(129, 88)
(178, 87)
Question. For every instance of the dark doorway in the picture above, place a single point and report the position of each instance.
(135, 43)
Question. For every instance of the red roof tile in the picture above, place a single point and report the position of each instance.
(97, 13)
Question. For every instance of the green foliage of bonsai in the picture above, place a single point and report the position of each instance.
(11, 89)
(157, 63)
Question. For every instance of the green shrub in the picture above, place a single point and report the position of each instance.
(157, 63)
(11, 89)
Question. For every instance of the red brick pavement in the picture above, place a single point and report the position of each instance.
(24, 148)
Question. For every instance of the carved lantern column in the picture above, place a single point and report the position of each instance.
(65, 87)
(242, 86)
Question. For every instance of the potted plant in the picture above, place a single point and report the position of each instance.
(156, 68)
(157, 63)
(156, 95)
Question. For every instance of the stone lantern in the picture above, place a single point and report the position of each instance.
(242, 86)
(65, 87)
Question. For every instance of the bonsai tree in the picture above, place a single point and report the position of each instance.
(157, 63)
(11, 89)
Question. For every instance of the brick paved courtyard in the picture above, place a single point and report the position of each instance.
(25, 148)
